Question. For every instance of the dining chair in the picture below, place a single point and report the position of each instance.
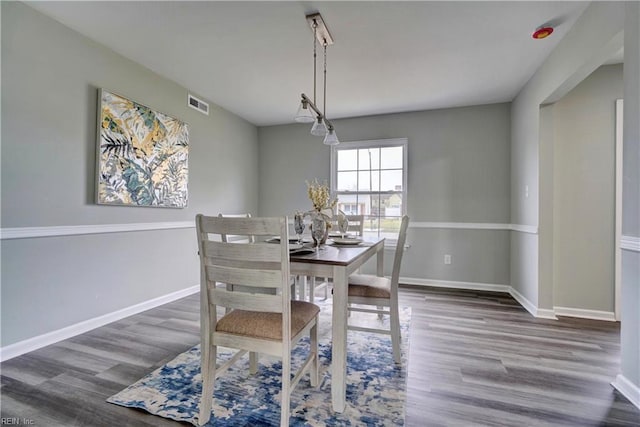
(381, 292)
(269, 323)
(356, 227)
(356, 224)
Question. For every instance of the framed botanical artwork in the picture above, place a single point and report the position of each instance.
(142, 155)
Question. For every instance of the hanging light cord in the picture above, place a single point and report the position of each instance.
(315, 32)
(324, 96)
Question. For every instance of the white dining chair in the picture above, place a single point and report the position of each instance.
(381, 292)
(258, 322)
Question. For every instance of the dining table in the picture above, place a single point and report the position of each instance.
(338, 262)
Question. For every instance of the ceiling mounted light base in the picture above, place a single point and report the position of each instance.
(322, 32)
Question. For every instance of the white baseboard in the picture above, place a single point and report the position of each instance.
(628, 389)
(455, 285)
(475, 286)
(31, 344)
(540, 313)
(545, 313)
(585, 314)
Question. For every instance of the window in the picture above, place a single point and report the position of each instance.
(370, 178)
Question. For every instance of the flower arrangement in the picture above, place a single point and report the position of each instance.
(320, 197)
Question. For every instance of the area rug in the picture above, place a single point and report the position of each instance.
(376, 386)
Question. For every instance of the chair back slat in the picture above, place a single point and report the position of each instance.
(266, 252)
(356, 224)
(245, 276)
(239, 300)
(234, 237)
(242, 226)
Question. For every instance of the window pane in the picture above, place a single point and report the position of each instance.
(376, 206)
(347, 159)
(369, 158)
(390, 227)
(347, 181)
(364, 204)
(350, 204)
(392, 205)
(369, 181)
(391, 157)
(391, 180)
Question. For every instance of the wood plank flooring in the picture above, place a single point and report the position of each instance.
(476, 358)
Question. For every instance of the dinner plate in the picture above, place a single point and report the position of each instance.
(294, 246)
(302, 250)
(292, 239)
(346, 241)
(340, 235)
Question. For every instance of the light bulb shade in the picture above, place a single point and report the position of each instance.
(331, 138)
(319, 128)
(304, 114)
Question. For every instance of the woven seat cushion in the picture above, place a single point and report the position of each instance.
(265, 325)
(364, 285)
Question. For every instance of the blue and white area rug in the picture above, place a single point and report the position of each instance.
(376, 386)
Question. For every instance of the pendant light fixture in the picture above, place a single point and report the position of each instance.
(308, 112)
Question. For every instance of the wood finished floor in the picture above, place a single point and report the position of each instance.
(476, 358)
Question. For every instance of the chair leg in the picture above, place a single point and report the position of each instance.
(394, 319)
(302, 288)
(313, 347)
(326, 288)
(253, 362)
(312, 289)
(380, 315)
(286, 390)
(208, 373)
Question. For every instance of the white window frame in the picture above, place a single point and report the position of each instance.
(372, 143)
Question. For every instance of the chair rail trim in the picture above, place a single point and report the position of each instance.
(76, 230)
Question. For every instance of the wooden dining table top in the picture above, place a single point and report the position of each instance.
(333, 254)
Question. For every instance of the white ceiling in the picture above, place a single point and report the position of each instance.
(255, 58)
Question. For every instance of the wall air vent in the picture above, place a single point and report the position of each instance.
(198, 104)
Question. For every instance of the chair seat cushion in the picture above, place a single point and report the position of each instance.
(365, 285)
(266, 325)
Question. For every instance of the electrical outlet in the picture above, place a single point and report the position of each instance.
(447, 259)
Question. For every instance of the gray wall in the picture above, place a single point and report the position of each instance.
(50, 77)
(577, 55)
(630, 329)
(458, 172)
(584, 192)
(545, 211)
